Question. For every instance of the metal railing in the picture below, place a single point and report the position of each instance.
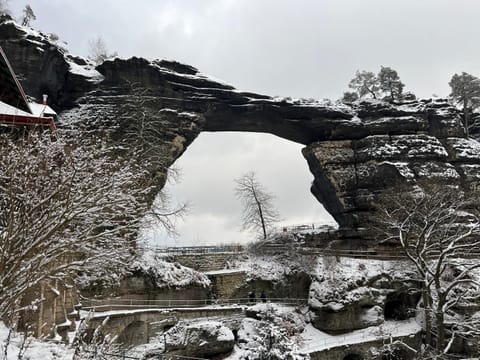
(187, 250)
(101, 355)
(382, 334)
(272, 247)
(320, 227)
(131, 304)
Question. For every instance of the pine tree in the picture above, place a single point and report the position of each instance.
(466, 93)
(349, 97)
(390, 83)
(365, 83)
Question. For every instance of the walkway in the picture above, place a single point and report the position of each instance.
(179, 305)
(317, 341)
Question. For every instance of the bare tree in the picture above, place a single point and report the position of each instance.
(98, 51)
(438, 229)
(64, 213)
(28, 15)
(259, 214)
(144, 138)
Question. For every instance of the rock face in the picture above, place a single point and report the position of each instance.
(350, 295)
(206, 339)
(354, 152)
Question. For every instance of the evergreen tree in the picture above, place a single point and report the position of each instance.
(466, 93)
(365, 83)
(390, 83)
(349, 97)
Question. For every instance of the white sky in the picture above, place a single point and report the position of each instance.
(298, 48)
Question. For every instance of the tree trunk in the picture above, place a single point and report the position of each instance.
(441, 329)
(440, 317)
(466, 115)
(428, 320)
(264, 229)
(260, 213)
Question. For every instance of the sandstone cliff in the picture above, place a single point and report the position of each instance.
(354, 152)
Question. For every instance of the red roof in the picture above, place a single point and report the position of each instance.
(17, 110)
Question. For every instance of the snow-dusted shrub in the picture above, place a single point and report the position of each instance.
(63, 211)
(274, 335)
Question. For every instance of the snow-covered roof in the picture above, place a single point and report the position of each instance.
(7, 109)
(38, 110)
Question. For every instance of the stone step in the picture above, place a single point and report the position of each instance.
(73, 316)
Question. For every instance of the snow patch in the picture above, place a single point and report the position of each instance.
(36, 349)
(87, 71)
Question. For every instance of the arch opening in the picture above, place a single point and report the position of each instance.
(208, 170)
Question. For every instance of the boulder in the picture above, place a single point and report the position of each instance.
(199, 339)
(365, 309)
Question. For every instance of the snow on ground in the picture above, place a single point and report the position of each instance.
(316, 340)
(102, 314)
(224, 271)
(36, 349)
(264, 267)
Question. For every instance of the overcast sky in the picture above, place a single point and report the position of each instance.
(298, 48)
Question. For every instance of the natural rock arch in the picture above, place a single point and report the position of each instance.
(354, 152)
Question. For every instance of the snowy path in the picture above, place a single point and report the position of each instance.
(316, 340)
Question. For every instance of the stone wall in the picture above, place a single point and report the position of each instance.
(227, 285)
(56, 313)
(139, 327)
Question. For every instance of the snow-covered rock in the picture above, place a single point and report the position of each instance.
(167, 274)
(199, 339)
(274, 334)
(352, 294)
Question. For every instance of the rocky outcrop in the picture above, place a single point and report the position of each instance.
(354, 152)
(351, 295)
(422, 141)
(199, 339)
